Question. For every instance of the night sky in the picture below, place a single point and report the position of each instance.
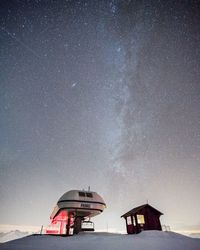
(103, 94)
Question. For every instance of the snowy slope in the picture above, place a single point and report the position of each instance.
(12, 235)
(149, 240)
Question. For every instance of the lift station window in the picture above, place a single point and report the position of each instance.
(89, 195)
(81, 194)
(140, 219)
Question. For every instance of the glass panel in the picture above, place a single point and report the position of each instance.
(129, 222)
(140, 219)
(89, 195)
(134, 221)
(82, 194)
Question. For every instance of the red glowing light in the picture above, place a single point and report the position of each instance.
(59, 223)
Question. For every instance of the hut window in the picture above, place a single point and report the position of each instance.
(89, 195)
(81, 194)
(134, 221)
(140, 219)
(129, 222)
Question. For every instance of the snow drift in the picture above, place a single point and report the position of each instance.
(149, 240)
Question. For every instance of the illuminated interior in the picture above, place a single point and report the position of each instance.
(140, 219)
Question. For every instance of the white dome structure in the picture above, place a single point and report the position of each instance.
(80, 203)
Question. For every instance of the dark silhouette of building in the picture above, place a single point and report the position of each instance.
(141, 218)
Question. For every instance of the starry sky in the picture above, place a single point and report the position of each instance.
(103, 94)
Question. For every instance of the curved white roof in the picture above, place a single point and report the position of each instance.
(81, 195)
(83, 203)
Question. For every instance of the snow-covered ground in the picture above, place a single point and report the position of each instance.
(12, 235)
(195, 235)
(149, 240)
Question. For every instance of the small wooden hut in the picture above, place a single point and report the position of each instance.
(141, 218)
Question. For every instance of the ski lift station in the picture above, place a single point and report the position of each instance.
(73, 212)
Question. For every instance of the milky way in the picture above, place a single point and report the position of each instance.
(100, 93)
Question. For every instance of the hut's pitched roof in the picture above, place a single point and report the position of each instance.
(138, 209)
